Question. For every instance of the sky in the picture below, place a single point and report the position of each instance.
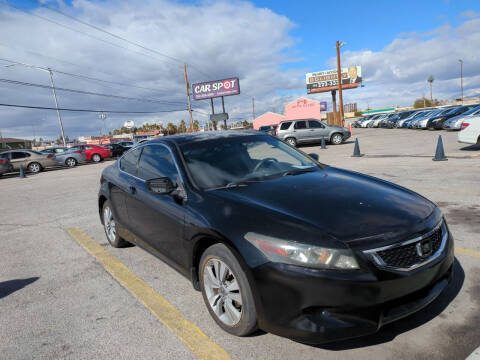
(269, 45)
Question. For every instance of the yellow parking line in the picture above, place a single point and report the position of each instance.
(468, 252)
(200, 344)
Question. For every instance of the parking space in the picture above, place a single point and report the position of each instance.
(58, 300)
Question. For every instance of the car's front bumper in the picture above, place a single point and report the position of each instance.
(316, 306)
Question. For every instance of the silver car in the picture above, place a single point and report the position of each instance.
(67, 157)
(303, 131)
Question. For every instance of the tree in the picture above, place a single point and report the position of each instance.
(423, 102)
(171, 128)
(196, 125)
(182, 127)
(430, 80)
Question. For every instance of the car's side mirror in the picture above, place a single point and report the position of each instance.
(161, 186)
(314, 156)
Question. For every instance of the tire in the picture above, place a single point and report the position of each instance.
(291, 141)
(241, 319)
(71, 162)
(336, 139)
(110, 227)
(96, 158)
(34, 167)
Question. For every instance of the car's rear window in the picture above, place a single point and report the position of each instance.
(285, 125)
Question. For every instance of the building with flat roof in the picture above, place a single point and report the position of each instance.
(12, 143)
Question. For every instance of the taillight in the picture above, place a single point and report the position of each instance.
(3, 162)
(464, 126)
(49, 156)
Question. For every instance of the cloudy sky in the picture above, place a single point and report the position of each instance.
(269, 45)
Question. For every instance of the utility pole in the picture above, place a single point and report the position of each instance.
(339, 73)
(461, 76)
(188, 96)
(56, 105)
(253, 109)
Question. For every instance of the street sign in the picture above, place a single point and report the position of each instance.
(219, 117)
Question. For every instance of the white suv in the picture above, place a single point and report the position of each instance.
(470, 130)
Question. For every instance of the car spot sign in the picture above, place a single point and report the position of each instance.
(216, 88)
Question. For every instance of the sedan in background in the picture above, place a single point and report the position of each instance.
(455, 123)
(116, 149)
(66, 156)
(259, 228)
(31, 160)
(94, 153)
(437, 122)
(5, 166)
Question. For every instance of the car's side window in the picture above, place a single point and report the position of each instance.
(19, 155)
(285, 125)
(315, 124)
(156, 162)
(128, 162)
(4, 156)
(300, 125)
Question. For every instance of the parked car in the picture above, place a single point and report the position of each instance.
(371, 120)
(438, 121)
(66, 156)
(470, 131)
(455, 122)
(269, 129)
(358, 123)
(5, 165)
(405, 123)
(127, 144)
(94, 153)
(304, 131)
(376, 122)
(218, 207)
(32, 161)
(116, 149)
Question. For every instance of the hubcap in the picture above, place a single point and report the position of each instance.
(109, 222)
(34, 168)
(222, 291)
(71, 162)
(337, 139)
(96, 158)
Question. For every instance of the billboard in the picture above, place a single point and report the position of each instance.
(216, 88)
(327, 80)
(323, 106)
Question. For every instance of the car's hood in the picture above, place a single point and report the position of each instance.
(344, 205)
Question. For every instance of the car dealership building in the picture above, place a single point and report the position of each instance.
(300, 108)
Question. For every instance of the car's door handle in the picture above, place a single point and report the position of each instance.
(133, 190)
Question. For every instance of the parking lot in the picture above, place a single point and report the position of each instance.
(63, 298)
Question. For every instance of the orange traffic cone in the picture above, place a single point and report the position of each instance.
(350, 129)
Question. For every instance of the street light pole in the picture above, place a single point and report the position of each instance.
(461, 76)
(339, 77)
(56, 105)
(54, 93)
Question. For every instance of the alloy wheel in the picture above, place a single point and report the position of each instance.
(222, 291)
(71, 162)
(337, 139)
(34, 168)
(109, 223)
(291, 142)
(96, 158)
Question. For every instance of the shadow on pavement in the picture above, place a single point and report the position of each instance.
(390, 331)
(474, 147)
(10, 286)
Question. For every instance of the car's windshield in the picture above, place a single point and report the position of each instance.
(230, 161)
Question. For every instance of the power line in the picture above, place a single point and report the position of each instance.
(15, 82)
(90, 110)
(120, 37)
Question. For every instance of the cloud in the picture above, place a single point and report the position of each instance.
(470, 14)
(397, 74)
(216, 39)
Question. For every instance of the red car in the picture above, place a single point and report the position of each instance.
(94, 153)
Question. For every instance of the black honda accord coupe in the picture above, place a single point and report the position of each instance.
(276, 240)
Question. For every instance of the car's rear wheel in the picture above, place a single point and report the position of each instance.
(291, 141)
(96, 158)
(226, 291)
(71, 162)
(336, 139)
(110, 226)
(34, 167)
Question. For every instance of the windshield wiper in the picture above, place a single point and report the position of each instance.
(299, 171)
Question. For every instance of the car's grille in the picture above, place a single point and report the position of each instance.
(410, 254)
(407, 255)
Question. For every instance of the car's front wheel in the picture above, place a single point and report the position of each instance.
(96, 158)
(71, 162)
(336, 139)
(291, 141)
(226, 291)
(34, 167)
(110, 226)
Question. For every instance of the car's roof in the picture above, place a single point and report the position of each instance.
(201, 136)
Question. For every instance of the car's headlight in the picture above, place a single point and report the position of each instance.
(291, 252)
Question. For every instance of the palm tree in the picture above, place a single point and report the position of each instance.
(431, 79)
